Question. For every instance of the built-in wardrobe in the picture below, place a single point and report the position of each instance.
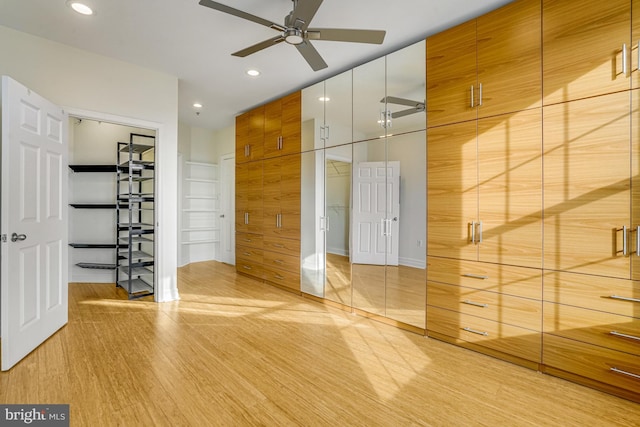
(479, 187)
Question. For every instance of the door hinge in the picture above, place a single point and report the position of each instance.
(3, 237)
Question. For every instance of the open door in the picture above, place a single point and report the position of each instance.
(33, 221)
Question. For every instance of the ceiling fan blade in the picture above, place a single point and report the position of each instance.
(258, 46)
(401, 101)
(240, 14)
(303, 13)
(346, 35)
(311, 55)
(403, 113)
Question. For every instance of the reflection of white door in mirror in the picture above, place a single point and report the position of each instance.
(376, 211)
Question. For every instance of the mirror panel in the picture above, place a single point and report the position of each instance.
(368, 250)
(368, 100)
(312, 223)
(405, 293)
(406, 89)
(338, 112)
(312, 117)
(338, 166)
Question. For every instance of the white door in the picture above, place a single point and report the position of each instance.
(376, 213)
(33, 265)
(227, 209)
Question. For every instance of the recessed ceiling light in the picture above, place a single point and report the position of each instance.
(253, 73)
(197, 105)
(81, 8)
(324, 99)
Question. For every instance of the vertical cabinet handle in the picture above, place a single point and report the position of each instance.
(480, 95)
(472, 226)
(479, 231)
(246, 217)
(473, 102)
(624, 60)
(327, 132)
(625, 243)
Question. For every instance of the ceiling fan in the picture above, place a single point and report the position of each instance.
(296, 31)
(416, 106)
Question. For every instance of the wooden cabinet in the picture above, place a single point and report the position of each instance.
(486, 66)
(497, 308)
(249, 196)
(250, 135)
(586, 46)
(485, 189)
(281, 192)
(281, 223)
(634, 249)
(268, 192)
(282, 124)
(587, 200)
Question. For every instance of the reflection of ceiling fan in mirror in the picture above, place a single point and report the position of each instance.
(296, 31)
(416, 106)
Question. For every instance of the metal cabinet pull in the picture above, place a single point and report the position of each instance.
(277, 276)
(621, 335)
(246, 217)
(479, 231)
(475, 276)
(629, 374)
(474, 331)
(326, 132)
(480, 95)
(278, 261)
(625, 243)
(624, 59)
(246, 253)
(476, 304)
(246, 267)
(472, 224)
(473, 102)
(278, 245)
(618, 297)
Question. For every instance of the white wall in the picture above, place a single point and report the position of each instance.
(85, 82)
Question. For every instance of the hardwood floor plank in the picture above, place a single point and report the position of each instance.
(234, 351)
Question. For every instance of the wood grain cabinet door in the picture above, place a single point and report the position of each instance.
(289, 226)
(452, 190)
(451, 75)
(272, 128)
(254, 197)
(242, 197)
(582, 48)
(510, 188)
(256, 133)
(271, 195)
(635, 44)
(291, 131)
(634, 250)
(242, 138)
(509, 58)
(587, 185)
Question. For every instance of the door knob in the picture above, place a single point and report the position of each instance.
(15, 237)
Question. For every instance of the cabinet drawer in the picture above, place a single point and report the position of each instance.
(282, 261)
(250, 268)
(520, 342)
(595, 327)
(593, 362)
(283, 246)
(517, 311)
(519, 281)
(617, 296)
(249, 239)
(284, 278)
(250, 255)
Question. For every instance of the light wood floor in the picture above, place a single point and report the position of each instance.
(235, 352)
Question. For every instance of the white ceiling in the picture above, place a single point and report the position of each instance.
(194, 43)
